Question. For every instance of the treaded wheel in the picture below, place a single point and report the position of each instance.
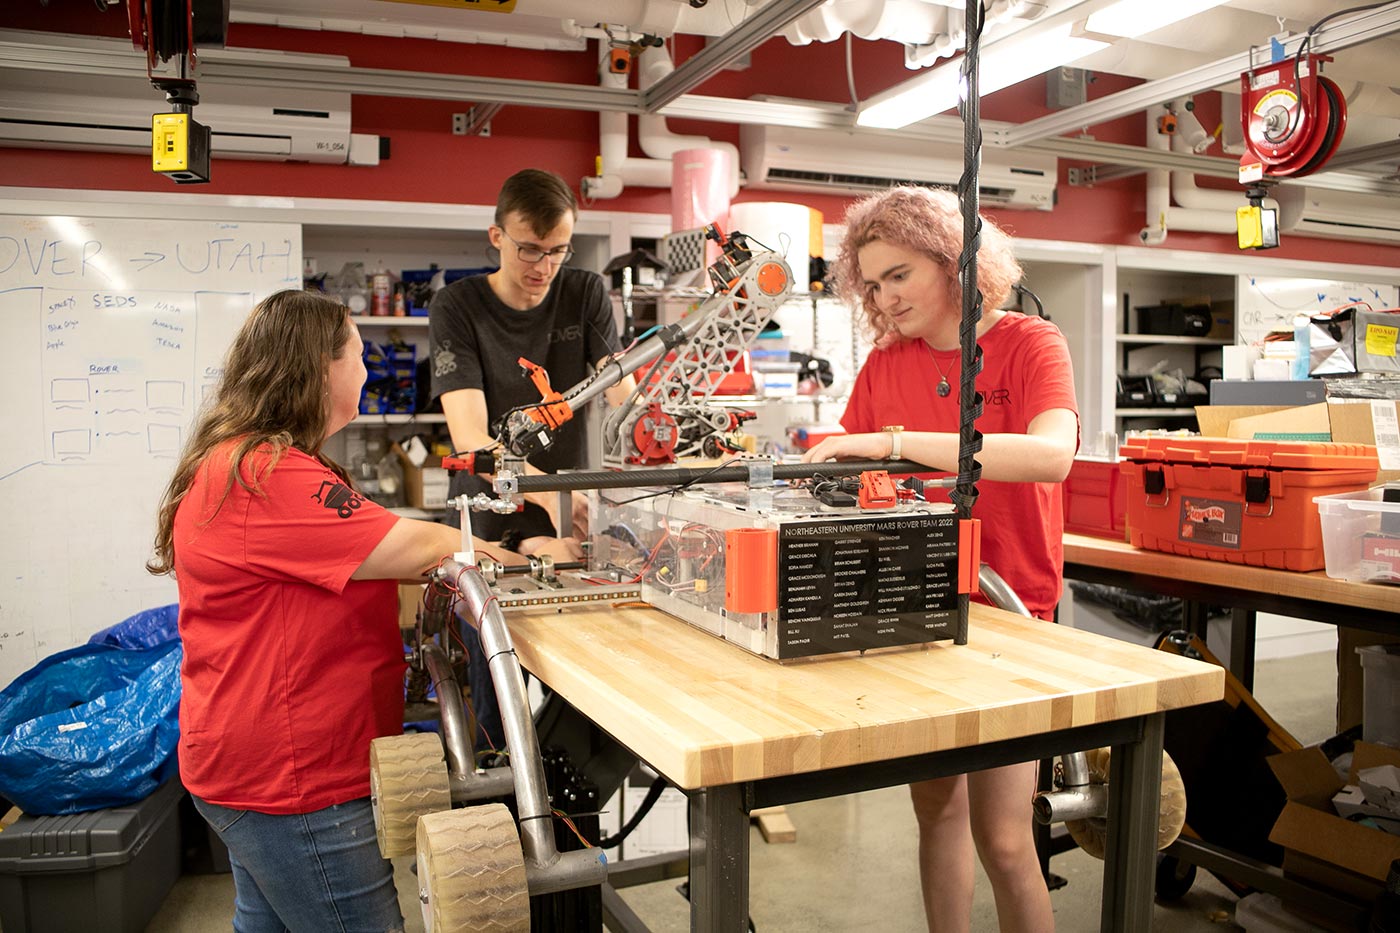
(1092, 834)
(471, 873)
(1173, 878)
(407, 778)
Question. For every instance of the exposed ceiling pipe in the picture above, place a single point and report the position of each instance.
(1184, 190)
(1161, 216)
(913, 22)
(1158, 206)
(1287, 199)
(617, 169)
(1374, 99)
(656, 140)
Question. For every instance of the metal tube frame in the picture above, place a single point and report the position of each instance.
(546, 868)
(456, 736)
(1079, 799)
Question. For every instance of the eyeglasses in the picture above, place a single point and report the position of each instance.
(533, 254)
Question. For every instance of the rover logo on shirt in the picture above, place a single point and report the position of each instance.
(339, 497)
(444, 360)
(566, 334)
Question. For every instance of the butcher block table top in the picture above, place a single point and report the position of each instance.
(706, 713)
(1285, 584)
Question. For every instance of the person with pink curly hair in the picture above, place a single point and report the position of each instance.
(898, 259)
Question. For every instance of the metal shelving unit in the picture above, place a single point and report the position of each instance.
(378, 320)
(1146, 339)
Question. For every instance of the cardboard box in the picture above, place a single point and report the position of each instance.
(1353, 421)
(1265, 422)
(1319, 846)
(410, 595)
(424, 487)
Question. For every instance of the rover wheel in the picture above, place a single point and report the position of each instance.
(471, 873)
(1174, 878)
(407, 778)
(1092, 834)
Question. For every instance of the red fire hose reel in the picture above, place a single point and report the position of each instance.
(1293, 117)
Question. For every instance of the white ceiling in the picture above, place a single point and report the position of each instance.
(1365, 73)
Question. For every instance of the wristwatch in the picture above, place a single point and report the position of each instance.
(895, 431)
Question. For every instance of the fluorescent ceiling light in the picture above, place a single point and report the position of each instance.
(1008, 62)
(1130, 18)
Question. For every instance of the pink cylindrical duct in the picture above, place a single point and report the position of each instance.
(699, 187)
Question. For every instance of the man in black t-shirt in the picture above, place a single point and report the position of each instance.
(533, 306)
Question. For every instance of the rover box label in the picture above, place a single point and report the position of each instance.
(866, 583)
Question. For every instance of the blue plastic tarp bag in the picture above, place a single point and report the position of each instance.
(146, 629)
(91, 727)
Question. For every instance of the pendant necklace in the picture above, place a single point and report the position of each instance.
(943, 387)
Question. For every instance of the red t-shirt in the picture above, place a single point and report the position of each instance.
(1025, 371)
(290, 667)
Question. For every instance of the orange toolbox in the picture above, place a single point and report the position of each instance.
(1246, 502)
(1095, 498)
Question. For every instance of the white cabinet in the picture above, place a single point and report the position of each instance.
(1090, 291)
(1151, 302)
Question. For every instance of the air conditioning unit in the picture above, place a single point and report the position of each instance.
(48, 110)
(1343, 215)
(791, 159)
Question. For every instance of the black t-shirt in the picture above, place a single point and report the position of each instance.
(476, 341)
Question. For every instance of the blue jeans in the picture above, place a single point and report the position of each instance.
(307, 872)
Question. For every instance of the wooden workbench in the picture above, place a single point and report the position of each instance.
(739, 732)
(1245, 589)
(1315, 587)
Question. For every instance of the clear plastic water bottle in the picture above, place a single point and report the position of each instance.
(1302, 359)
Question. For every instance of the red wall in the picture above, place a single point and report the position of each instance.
(429, 164)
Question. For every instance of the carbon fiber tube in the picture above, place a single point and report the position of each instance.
(964, 494)
(597, 383)
(674, 476)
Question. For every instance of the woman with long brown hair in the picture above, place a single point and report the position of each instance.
(289, 618)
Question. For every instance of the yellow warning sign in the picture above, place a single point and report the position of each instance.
(489, 6)
(1380, 339)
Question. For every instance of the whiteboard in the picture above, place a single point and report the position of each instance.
(1270, 302)
(115, 332)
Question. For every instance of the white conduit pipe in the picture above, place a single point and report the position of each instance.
(1161, 216)
(659, 142)
(909, 21)
(1186, 192)
(619, 169)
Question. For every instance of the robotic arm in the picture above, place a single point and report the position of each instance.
(667, 415)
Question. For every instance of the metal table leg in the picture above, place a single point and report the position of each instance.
(1242, 634)
(1134, 792)
(719, 860)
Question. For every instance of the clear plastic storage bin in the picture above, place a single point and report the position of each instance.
(1361, 536)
